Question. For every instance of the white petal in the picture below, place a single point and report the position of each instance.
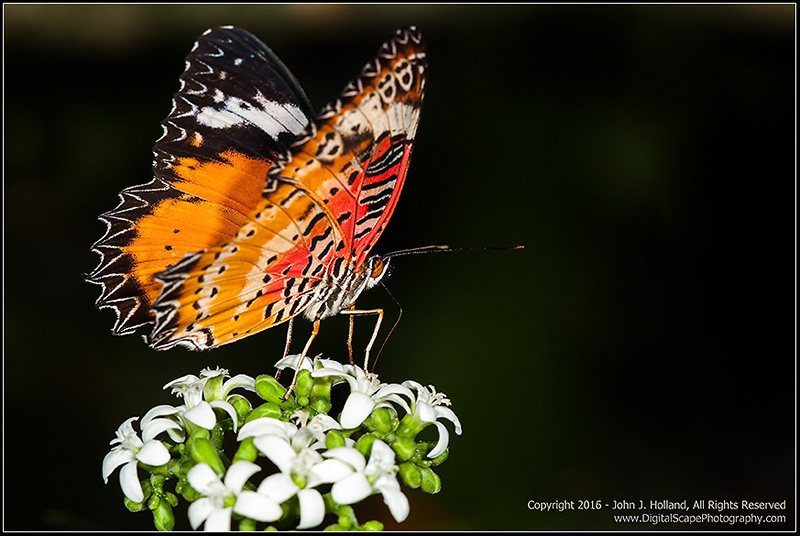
(209, 373)
(199, 510)
(278, 487)
(125, 432)
(336, 373)
(202, 415)
(114, 459)
(238, 473)
(240, 380)
(416, 385)
(381, 459)
(324, 422)
(329, 368)
(396, 501)
(328, 363)
(129, 482)
(153, 453)
(395, 399)
(348, 455)
(156, 426)
(329, 471)
(219, 520)
(201, 477)
(312, 508)
(267, 425)
(290, 361)
(351, 489)
(278, 450)
(183, 380)
(393, 391)
(441, 445)
(228, 408)
(158, 411)
(449, 414)
(425, 412)
(257, 506)
(357, 408)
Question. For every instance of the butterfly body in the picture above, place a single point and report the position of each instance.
(258, 214)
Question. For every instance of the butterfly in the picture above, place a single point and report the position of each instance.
(258, 210)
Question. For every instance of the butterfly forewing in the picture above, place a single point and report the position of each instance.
(236, 111)
(321, 210)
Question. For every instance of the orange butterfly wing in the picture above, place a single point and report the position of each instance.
(210, 169)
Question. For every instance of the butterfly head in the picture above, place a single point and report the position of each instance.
(377, 267)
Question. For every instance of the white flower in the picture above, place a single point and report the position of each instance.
(376, 476)
(215, 389)
(295, 451)
(195, 410)
(129, 450)
(429, 407)
(221, 498)
(366, 393)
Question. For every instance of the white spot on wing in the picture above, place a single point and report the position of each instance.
(268, 115)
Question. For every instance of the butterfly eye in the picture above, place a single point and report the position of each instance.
(378, 267)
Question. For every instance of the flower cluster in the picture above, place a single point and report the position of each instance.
(291, 463)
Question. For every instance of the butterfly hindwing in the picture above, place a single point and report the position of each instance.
(236, 112)
(322, 209)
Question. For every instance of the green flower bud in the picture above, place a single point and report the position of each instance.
(174, 467)
(218, 434)
(404, 447)
(199, 433)
(304, 383)
(163, 517)
(269, 389)
(334, 439)
(247, 524)
(382, 421)
(364, 444)
(153, 502)
(347, 517)
(372, 526)
(203, 451)
(212, 389)
(302, 401)
(157, 481)
(322, 387)
(431, 483)
(267, 409)
(440, 458)
(321, 404)
(133, 506)
(247, 451)
(242, 406)
(410, 475)
(187, 491)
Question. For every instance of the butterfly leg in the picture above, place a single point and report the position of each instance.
(356, 312)
(350, 338)
(288, 342)
(314, 332)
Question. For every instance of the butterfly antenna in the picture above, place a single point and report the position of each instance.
(399, 316)
(444, 249)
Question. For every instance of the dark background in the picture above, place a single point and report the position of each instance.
(640, 347)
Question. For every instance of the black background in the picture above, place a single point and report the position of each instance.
(640, 347)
